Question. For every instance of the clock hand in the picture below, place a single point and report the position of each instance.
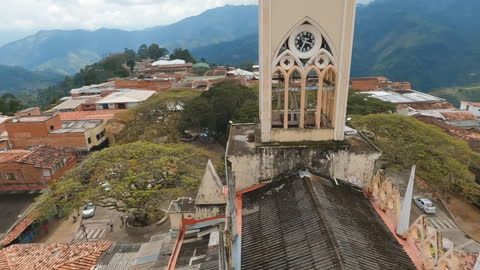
(303, 45)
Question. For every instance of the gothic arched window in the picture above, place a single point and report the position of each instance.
(305, 69)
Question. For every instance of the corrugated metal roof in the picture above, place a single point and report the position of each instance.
(94, 88)
(73, 103)
(126, 96)
(298, 223)
(77, 126)
(407, 96)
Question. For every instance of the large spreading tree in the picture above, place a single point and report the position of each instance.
(224, 102)
(136, 178)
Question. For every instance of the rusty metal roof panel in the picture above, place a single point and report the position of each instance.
(301, 224)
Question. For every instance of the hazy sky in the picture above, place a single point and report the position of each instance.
(23, 17)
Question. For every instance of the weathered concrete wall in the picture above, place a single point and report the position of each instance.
(268, 162)
(355, 168)
(202, 212)
(176, 219)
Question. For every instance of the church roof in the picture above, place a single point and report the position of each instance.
(299, 223)
(211, 188)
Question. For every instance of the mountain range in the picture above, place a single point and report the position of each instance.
(16, 79)
(431, 43)
(66, 51)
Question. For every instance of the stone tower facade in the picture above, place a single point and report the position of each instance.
(305, 55)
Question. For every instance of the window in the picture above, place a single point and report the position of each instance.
(11, 176)
(52, 127)
(89, 140)
(47, 172)
(122, 106)
(98, 137)
(105, 106)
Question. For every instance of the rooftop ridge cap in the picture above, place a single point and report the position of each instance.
(4, 251)
(99, 245)
(330, 233)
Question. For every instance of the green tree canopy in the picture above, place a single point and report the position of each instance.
(362, 104)
(131, 65)
(130, 54)
(155, 52)
(142, 51)
(214, 108)
(183, 55)
(133, 178)
(156, 119)
(442, 160)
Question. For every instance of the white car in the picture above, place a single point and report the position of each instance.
(426, 205)
(88, 210)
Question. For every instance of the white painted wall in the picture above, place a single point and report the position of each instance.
(471, 108)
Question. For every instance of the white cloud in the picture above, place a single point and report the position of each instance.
(93, 14)
(27, 16)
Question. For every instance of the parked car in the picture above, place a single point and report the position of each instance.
(88, 210)
(425, 204)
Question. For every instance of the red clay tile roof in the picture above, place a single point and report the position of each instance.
(77, 256)
(466, 260)
(46, 156)
(12, 155)
(458, 115)
(88, 115)
(13, 234)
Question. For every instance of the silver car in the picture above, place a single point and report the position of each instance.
(88, 210)
(425, 204)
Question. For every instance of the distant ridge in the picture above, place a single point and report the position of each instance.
(430, 43)
(67, 51)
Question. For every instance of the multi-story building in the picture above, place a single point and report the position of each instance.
(375, 83)
(29, 112)
(34, 169)
(29, 131)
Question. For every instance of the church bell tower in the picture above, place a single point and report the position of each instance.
(305, 54)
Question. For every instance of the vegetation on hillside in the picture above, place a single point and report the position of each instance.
(109, 67)
(70, 50)
(455, 95)
(9, 104)
(444, 161)
(429, 43)
(213, 109)
(155, 120)
(183, 55)
(362, 104)
(133, 178)
(16, 79)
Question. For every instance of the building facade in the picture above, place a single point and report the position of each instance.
(34, 169)
(305, 56)
(30, 131)
(473, 107)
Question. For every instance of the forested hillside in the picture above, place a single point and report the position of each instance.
(433, 44)
(16, 79)
(68, 51)
(430, 43)
(455, 95)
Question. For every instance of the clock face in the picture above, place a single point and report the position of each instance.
(304, 41)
